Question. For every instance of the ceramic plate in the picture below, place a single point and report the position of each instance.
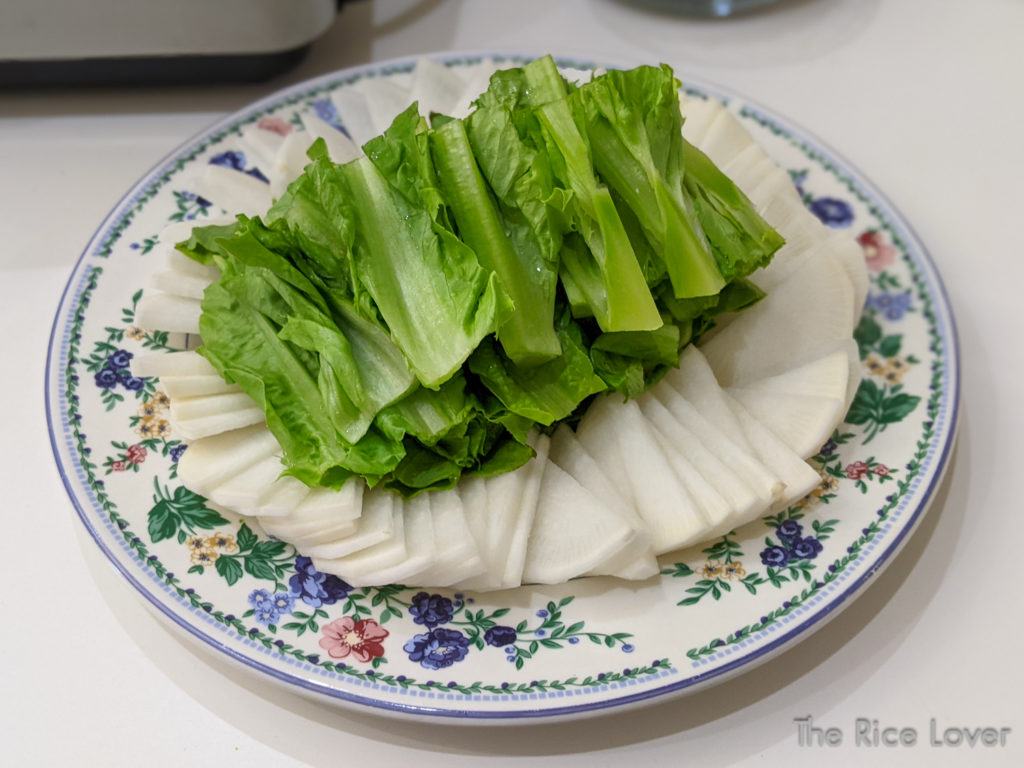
(535, 652)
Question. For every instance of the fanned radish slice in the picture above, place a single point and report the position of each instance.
(160, 364)
(807, 316)
(282, 497)
(187, 408)
(850, 256)
(214, 460)
(323, 516)
(694, 380)
(217, 423)
(385, 100)
(375, 527)
(825, 377)
(798, 476)
(168, 312)
(234, 191)
(377, 564)
(181, 283)
(518, 542)
(177, 261)
(478, 79)
(573, 532)
(243, 491)
(177, 231)
(803, 422)
(290, 160)
(262, 144)
(196, 386)
(621, 440)
(340, 147)
(765, 485)
(351, 105)
(473, 490)
(698, 114)
(419, 544)
(456, 556)
(435, 87)
(725, 138)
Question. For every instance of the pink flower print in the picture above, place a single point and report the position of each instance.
(360, 639)
(136, 454)
(877, 253)
(881, 470)
(274, 125)
(857, 470)
(119, 466)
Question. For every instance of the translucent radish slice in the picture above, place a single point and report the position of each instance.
(477, 80)
(262, 144)
(419, 544)
(162, 364)
(803, 422)
(282, 497)
(850, 256)
(290, 160)
(323, 516)
(214, 460)
(807, 316)
(621, 440)
(696, 382)
(725, 138)
(375, 565)
(340, 148)
(790, 260)
(181, 283)
(698, 114)
(825, 377)
(385, 100)
(456, 556)
(168, 312)
(178, 262)
(196, 386)
(375, 527)
(473, 490)
(518, 540)
(798, 476)
(234, 191)
(188, 408)
(242, 492)
(435, 87)
(215, 424)
(764, 483)
(351, 105)
(573, 531)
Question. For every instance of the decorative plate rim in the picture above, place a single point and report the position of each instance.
(418, 710)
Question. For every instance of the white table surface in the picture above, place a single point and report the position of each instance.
(924, 97)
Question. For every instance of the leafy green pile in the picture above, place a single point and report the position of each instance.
(409, 316)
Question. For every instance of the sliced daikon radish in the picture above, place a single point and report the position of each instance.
(807, 316)
(750, 167)
(419, 543)
(825, 377)
(340, 148)
(764, 483)
(177, 231)
(518, 540)
(435, 87)
(281, 499)
(635, 559)
(375, 565)
(214, 460)
(850, 255)
(355, 113)
(171, 364)
(385, 99)
(621, 440)
(775, 183)
(788, 261)
(262, 144)
(181, 283)
(177, 261)
(242, 492)
(694, 380)
(323, 516)
(790, 217)
(375, 526)
(456, 556)
(797, 474)
(698, 114)
(195, 386)
(724, 138)
(575, 75)
(215, 424)
(290, 160)
(803, 422)
(573, 531)
(234, 191)
(188, 408)
(167, 312)
(473, 490)
(477, 80)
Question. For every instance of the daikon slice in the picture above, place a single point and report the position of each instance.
(196, 386)
(262, 144)
(216, 423)
(456, 556)
(825, 377)
(187, 408)
(162, 364)
(803, 422)
(478, 78)
(323, 516)
(375, 565)
(385, 99)
(214, 460)
(621, 440)
(167, 312)
(242, 492)
(807, 316)
(572, 533)
(518, 540)
(177, 261)
(797, 474)
(281, 499)
(419, 543)
(177, 231)
(290, 160)
(850, 256)
(435, 87)
(376, 525)
(355, 113)
(725, 138)
(698, 115)
(234, 191)
(340, 148)
(694, 380)
(181, 283)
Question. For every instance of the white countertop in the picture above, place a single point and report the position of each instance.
(923, 97)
